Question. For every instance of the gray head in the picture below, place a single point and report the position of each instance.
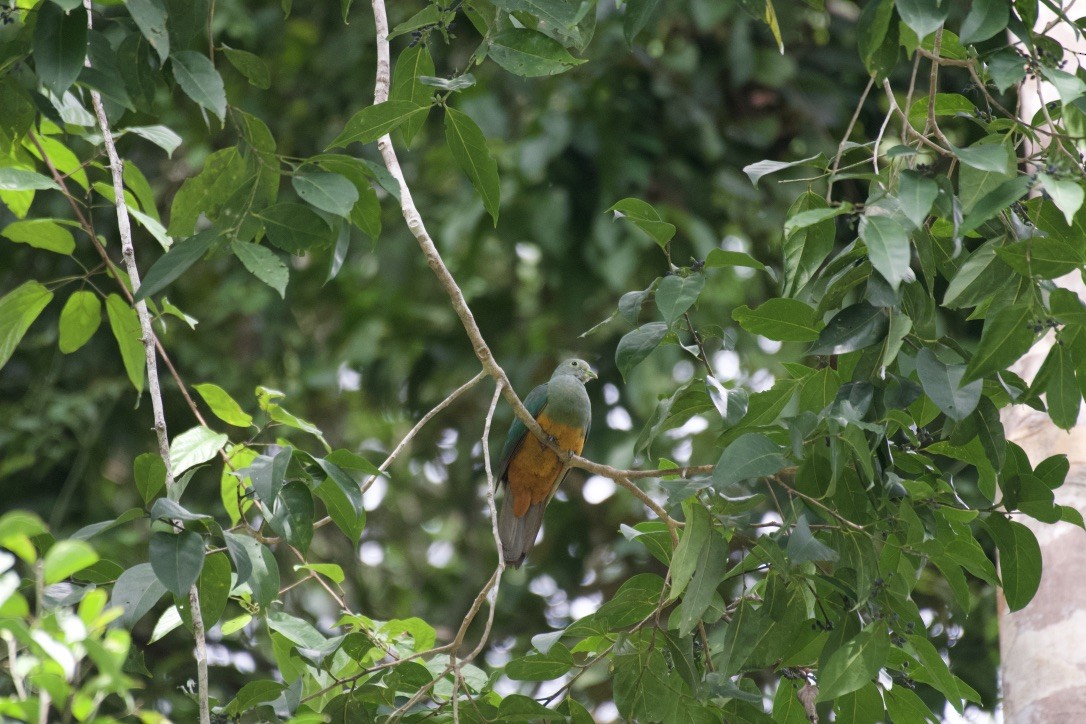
(575, 367)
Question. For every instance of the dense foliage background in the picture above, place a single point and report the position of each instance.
(672, 102)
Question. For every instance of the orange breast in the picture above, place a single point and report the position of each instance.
(534, 468)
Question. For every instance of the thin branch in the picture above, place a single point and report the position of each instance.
(845, 137)
(933, 89)
(452, 397)
(154, 390)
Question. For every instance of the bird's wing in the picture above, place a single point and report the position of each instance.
(535, 402)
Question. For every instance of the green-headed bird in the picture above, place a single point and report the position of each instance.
(530, 470)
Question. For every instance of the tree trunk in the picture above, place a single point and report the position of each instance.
(1043, 646)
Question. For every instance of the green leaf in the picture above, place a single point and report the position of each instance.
(327, 191)
(223, 406)
(752, 455)
(343, 499)
(79, 320)
(923, 16)
(856, 663)
(136, 591)
(177, 560)
(65, 558)
(414, 63)
(1007, 68)
(41, 234)
(916, 194)
(264, 264)
(468, 146)
(295, 228)
(559, 13)
(974, 277)
(856, 327)
(150, 17)
(1066, 194)
(756, 171)
(694, 538)
(985, 157)
(20, 179)
(1006, 337)
(709, 570)
(887, 247)
(804, 547)
(163, 137)
(809, 218)
(176, 262)
(372, 122)
(984, 20)
(636, 16)
(943, 384)
(805, 248)
(541, 667)
(676, 294)
(529, 53)
(195, 446)
(150, 474)
(877, 37)
(60, 46)
(1066, 307)
(196, 75)
(253, 694)
(646, 218)
(1062, 392)
(722, 257)
(292, 516)
(213, 589)
(251, 66)
(785, 320)
(995, 201)
(1019, 559)
(125, 325)
(635, 346)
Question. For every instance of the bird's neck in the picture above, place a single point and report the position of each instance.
(567, 401)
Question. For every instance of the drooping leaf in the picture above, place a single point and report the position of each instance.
(856, 663)
(264, 264)
(176, 262)
(635, 346)
(469, 150)
(18, 310)
(413, 64)
(150, 17)
(60, 46)
(125, 325)
(943, 384)
(223, 405)
(149, 472)
(249, 65)
(177, 560)
(1019, 559)
(985, 19)
(196, 75)
(645, 217)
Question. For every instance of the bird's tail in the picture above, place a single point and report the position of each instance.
(518, 534)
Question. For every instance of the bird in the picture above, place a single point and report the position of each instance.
(530, 471)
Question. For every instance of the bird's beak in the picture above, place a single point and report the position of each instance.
(592, 374)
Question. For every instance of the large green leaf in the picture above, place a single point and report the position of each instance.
(785, 320)
(695, 537)
(414, 63)
(468, 146)
(751, 456)
(1019, 559)
(125, 325)
(196, 75)
(855, 327)
(177, 560)
(176, 262)
(296, 228)
(42, 234)
(264, 264)
(222, 405)
(150, 17)
(193, 447)
(541, 666)
(635, 346)
(943, 384)
(984, 20)
(136, 591)
(249, 65)
(529, 53)
(923, 16)
(292, 515)
(856, 663)
(60, 46)
(375, 121)
(887, 247)
(645, 217)
(18, 310)
(676, 294)
(79, 320)
(327, 191)
(1007, 335)
(65, 558)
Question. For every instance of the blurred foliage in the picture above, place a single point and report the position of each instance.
(364, 342)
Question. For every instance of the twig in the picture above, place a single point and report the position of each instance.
(452, 397)
(844, 138)
(909, 130)
(933, 89)
(154, 390)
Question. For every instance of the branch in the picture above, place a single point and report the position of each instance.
(124, 228)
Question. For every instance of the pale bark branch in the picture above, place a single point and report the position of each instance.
(154, 390)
